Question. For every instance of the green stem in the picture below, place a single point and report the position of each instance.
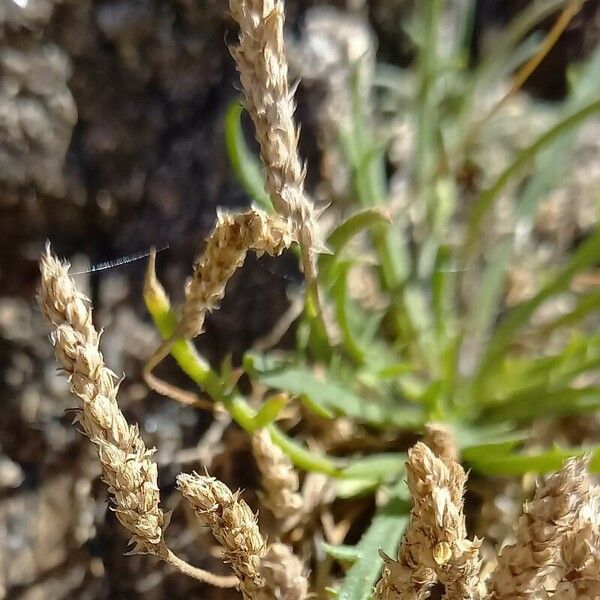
(199, 371)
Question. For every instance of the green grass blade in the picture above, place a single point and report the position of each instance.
(585, 305)
(524, 157)
(538, 403)
(512, 464)
(342, 553)
(585, 256)
(383, 534)
(246, 166)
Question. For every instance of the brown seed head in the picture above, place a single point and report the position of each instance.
(552, 513)
(435, 546)
(226, 248)
(233, 525)
(279, 478)
(127, 467)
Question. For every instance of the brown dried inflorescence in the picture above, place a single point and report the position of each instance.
(441, 441)
(284, 575)
(435, 546)
(127, 467)
(545, 523)
(279, 479)
(580, 553)
(263, 69)
(232, 238)
(233, 525)
(234, 235)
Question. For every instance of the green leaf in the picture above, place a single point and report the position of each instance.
(487, 197)
(543, 462)
(343, 233)
(353, 488)
(383, 534)
(302, 457)
(342, 552)
(331, 393)
(539, 402)
(380, 467)
(585, 256)
(270, 410)
(244, 163)
(341, 300)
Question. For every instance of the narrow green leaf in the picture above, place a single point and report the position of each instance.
(244, 163)
(331, 393)
(302, 457)
(383, 534)
(381, 467)
(270, 410)
(536, 403)
(488, 196)
(341, 235)
(342, 553)
(353, 488)
(585, 256)
(341, 300)
(543, 462)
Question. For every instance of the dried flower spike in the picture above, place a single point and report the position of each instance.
(127, 465)
(279, 478)
(232, 238)
(233, 525)
(580, 553)
(522, 566)
(263, 68)
(435, 545)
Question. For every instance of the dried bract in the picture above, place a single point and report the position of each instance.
(580, 554)
(284, 575)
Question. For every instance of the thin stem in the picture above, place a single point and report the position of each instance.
(221, 581)
(199, 370)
